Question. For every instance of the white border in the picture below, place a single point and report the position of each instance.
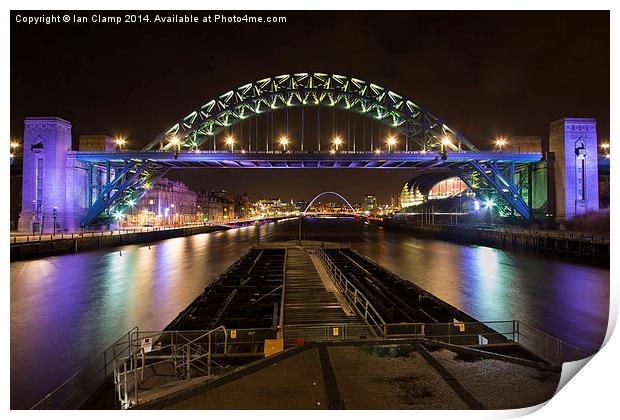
(592, 394)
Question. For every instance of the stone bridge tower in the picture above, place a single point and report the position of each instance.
(573, 142)
(48, 177)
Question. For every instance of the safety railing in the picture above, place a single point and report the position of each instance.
(299, 334)
(456, 332)
(542, 345)
(86, 382)
(163, 357)
(545, 346)
(354, 297)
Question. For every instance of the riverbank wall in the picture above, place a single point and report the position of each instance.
(584, 248)
(87, 242)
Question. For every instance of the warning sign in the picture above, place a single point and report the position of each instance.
(273, 346)
(233, 333)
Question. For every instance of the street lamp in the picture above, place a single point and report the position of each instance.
(120, 142)
(445, 142)
(377, 151)
(337, 142)
(391, 142)
(605, 146)
(14, 145)
(284, 142)
(176, 144)
(230, 140)
(501, 142)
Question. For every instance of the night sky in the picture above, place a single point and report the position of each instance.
(484, 73)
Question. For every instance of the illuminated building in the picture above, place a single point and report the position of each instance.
(166, 203)
(370, 202)
(416, 192)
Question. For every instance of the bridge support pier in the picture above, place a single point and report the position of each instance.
(53, 186)
(575, 170)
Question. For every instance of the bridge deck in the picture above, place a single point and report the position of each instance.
(296, 159)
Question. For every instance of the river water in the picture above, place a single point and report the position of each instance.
(68, 308)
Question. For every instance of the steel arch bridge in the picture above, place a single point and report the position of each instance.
(308, 89)
(329, 193)
(118, 180)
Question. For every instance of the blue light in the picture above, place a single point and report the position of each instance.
(476, 205)
(489, 203)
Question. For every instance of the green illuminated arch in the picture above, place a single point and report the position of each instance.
(309, 89)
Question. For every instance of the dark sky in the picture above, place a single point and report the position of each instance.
(484, 73)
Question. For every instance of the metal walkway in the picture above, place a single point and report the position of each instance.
(309, 306)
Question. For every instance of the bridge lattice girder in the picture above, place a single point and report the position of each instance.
(489, 174)
(309, 89)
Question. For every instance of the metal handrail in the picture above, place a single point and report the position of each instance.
(370, 314)
(78, 392)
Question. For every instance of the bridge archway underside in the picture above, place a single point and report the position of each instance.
(309, 90)
(489, 174)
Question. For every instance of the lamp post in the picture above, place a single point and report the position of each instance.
(284, 142)
(501, 142)
(120, 142)
(231, 142)
(445, 142)
(337, 142)
(176, 145)
(391, 142)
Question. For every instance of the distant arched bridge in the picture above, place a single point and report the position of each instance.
(329, 193)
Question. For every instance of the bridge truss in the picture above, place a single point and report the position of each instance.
(351, 94)
(491, 175)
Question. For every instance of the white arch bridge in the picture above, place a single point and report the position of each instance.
(329, 193)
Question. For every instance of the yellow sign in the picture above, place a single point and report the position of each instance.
(274, 346)
(335, 331)
(462, 327)
(233, 333)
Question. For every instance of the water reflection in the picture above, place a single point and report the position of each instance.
(65, 309)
